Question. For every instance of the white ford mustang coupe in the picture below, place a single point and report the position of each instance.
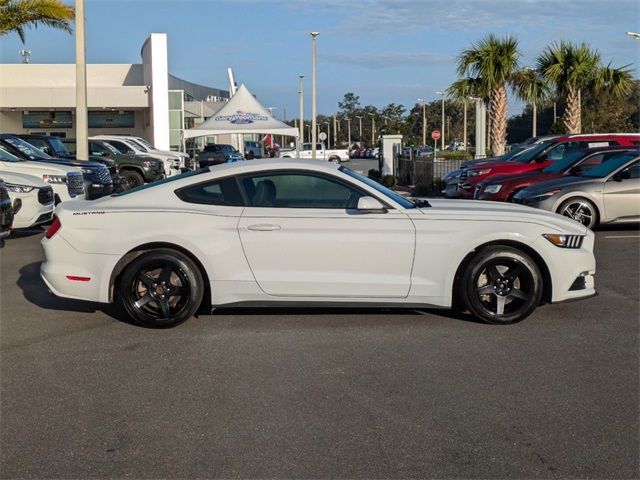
(301, 232)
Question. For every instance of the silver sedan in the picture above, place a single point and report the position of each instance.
(608, 193)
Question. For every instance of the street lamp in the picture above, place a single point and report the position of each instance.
(328, 124)
(534, 107)
(423, 102)
(373, 128)
(442, 133)
(301, 98)
(314, 36)
(481, 115)
(82, 123)
(360, 119)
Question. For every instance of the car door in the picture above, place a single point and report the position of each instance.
(303, 236)
(622, 193)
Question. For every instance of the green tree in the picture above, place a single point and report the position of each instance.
(571, 69)
(533, 89)
(492, 61)
(15, 15)
(460, 91)
(349, 104)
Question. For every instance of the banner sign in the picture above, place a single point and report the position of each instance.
(242, 118)
(46, 119)
(121, 119)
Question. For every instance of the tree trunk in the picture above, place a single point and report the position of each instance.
(571, 116)
(498, 120)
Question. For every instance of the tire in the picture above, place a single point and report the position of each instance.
(581, 210)
(501, 285)
(335, 158)
(150, 285)
(132, 179)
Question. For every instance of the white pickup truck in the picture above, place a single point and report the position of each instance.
(321, 153)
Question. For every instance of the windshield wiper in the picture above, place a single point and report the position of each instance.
(421, 203)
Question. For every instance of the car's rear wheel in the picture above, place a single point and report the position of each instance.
(161, 288)
(132, 179)
(501, 285)
(581, 210)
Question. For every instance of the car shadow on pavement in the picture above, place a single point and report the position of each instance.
(36, 292)
(25, 232)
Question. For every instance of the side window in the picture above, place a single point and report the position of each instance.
(71, 147)
(122, 148)
(556, 153)
(299, 190)
(217, 192)
(97, 149)
(42, 145)
(592, 161)
(306, 147)
(632, 171)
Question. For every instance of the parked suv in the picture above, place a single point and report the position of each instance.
(97, 180)
(134, 169)
(215, 154)
(66, 181)
(6, 213)
(55, 147)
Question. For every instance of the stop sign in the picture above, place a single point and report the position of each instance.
(435, 134)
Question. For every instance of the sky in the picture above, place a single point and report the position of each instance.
(383, 51)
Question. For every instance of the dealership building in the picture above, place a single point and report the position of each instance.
(136, 99)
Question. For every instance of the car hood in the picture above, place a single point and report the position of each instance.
(72, 163)
(22, 179)
(562, 182)
(38, 168)
(499, 211)
(529, 177)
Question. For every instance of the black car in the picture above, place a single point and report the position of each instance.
(6, 213)
(97, 180)
(55, 147)
(215, 154)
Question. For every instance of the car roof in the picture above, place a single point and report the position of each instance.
(273, 163)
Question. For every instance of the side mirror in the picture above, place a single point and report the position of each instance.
(620, 176)
(370, 205)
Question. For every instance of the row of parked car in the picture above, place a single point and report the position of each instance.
(592, 178)
(365, 153)
(37, 172)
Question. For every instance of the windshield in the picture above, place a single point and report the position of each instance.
(26, 148)
(6, 156)
(162, 182)
(58, 146)
(380, 188)
(109, 147)
(528, 155)
(610, 166)
(144, 142)
(561, 165)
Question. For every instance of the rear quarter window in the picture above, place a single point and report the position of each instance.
(216, 192)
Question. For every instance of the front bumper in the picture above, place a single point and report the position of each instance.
(97, 190)
(32, 212)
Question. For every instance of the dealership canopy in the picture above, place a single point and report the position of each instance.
(242, 114)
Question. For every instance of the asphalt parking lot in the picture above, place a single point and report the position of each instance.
(313, 393)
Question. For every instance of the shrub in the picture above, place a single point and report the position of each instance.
(389, 181)
(422, 188)
(374, 174)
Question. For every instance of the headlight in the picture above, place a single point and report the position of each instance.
(19, 188)
(54, 178)
(542, 196)
(493, 188)
(564, 241)
(149, 163)
(473, 173)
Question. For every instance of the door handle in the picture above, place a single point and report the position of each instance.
(263, 227)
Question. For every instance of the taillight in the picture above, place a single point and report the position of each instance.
(53, 228)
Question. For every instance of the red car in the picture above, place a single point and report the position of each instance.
(542, 156)
(502, 188)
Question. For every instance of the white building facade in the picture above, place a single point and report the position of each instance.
(134, 99)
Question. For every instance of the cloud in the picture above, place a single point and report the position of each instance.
(386, 59)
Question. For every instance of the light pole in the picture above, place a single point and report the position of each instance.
(82, 124)
(335, 131)
(348, 134)
(309, 132)
(373, 129)
(360, 119)
(273, 137)
(464, 128)
(314, 36)
(301, 124)
(328, 124)
(442, 133)
(480, 127)
(424, 121)
(534, 107)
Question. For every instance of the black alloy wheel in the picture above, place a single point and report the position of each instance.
(132, 179)
(501, 285)
(161, 288)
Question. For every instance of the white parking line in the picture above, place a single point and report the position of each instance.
(622, 236)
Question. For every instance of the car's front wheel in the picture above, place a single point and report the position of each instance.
(581, 210)
(132, 179)
(501, 285)
(161, 288)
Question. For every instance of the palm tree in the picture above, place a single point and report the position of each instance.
(533, 89)
(15, 15)
(460, 91)
(493, 61)
(571, 68)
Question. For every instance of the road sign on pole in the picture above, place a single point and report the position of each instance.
(435, 134)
